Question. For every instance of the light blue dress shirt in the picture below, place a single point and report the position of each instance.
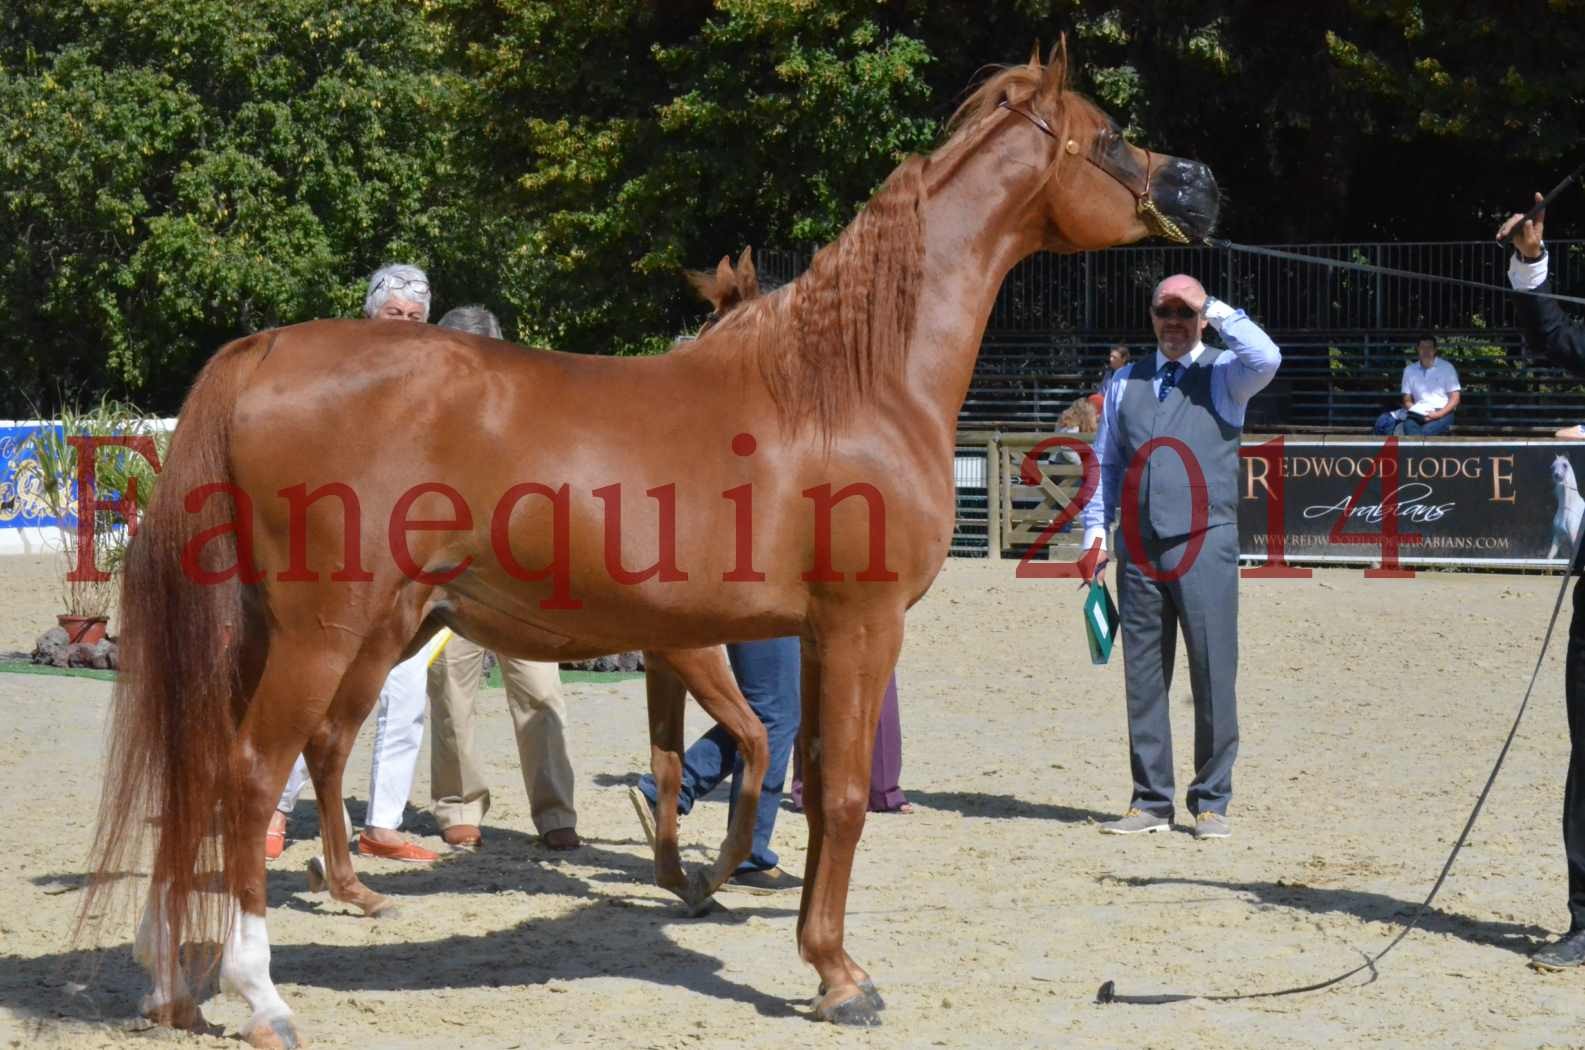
(1238, 375)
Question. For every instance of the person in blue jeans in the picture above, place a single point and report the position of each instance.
(768, 672)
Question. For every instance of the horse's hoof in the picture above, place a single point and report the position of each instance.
(381, 908)
(699, 894)
(854, 1012)
(699, 909)
(276, 1034)
(316, 875)
(183, 1014)
(867, 986)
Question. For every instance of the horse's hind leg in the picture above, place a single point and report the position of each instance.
(332, 870)
(709, 678)
(356, 696)
(295, 688)
(170, 1000)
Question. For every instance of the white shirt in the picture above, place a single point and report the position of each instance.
(1429, 387)
(1238, 375)
(1527, 277)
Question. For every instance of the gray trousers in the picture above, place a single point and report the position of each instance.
(1204, 603)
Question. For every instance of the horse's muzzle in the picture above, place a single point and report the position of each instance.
(1185, 191)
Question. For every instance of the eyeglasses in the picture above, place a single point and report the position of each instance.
(416, 285)
(1181, 313)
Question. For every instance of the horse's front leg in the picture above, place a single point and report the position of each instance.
(844, 687)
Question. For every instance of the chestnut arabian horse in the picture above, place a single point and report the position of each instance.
(339, 490)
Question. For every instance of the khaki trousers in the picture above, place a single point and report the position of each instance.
(539, 719)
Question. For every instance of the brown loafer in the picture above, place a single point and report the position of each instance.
(462, 836)
(561, 839)
(406, 852)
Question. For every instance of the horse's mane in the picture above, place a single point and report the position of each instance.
(838, 335)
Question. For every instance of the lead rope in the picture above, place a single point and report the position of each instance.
(1108, 991)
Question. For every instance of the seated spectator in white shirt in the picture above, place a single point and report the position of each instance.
(1430, 395)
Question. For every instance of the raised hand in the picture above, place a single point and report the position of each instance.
(1526, 232)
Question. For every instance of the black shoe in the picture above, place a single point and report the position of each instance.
(770, 880)
(1565, 953)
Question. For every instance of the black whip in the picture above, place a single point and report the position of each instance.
(1389, 271)
(1540, 207)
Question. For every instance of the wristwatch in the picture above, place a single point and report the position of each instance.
(1526, 259)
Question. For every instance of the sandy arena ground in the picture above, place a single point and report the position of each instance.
(1371, 713)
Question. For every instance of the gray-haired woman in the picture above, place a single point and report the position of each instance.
(398, 292)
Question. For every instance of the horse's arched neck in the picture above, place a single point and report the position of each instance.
(980, 218)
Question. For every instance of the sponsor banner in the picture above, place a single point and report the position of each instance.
(26, 524)
(1496, 502)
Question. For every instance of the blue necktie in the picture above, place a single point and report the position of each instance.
(1169, 379)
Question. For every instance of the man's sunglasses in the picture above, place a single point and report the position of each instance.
(416, 285)
(1182, 313)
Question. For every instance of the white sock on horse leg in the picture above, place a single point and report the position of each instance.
(245, 968)
(153, 950)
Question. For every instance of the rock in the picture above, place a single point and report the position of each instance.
(51, 647)
(103, 655)
(633, 661)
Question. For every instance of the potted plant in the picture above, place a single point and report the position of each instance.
(117, 470)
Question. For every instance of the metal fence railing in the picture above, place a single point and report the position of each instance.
(1346, 335)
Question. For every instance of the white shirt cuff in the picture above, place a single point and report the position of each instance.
(1093, 533)
(1217, 312)
(1527, 276)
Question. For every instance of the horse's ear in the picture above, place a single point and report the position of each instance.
(1034, 55)
(747, 276)
(712, 287)
(1055, 79)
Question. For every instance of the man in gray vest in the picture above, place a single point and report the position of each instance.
(1168, 450)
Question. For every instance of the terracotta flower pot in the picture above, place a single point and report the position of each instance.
(89, 630)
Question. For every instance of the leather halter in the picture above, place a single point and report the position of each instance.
(1144, 207)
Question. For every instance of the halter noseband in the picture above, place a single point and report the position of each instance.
(1144, 207)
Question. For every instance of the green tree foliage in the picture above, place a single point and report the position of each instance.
(647, 143)
(174, 173)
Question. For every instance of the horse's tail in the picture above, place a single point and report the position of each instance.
(178, 696)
